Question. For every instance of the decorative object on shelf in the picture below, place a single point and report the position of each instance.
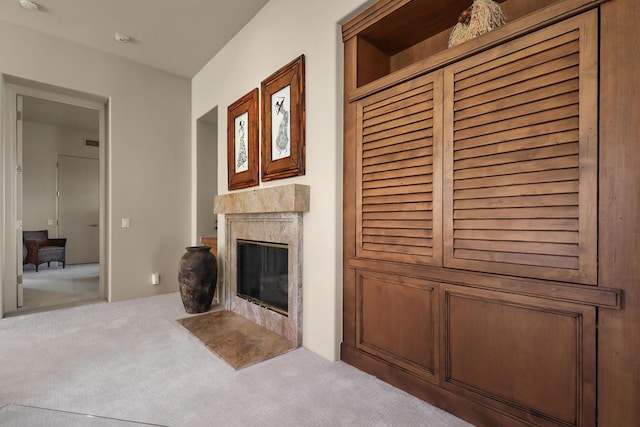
(283, 122)
(197, 276)
(242, 142)
(480, 18)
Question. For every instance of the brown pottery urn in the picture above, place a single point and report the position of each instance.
(197, 277)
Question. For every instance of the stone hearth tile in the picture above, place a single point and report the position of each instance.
(238, 341)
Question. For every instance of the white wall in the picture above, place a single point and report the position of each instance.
(41, 145)
(281, 31)
(148, 151)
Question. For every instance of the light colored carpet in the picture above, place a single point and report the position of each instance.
(57, 286)
(132, 360)
(28, 416)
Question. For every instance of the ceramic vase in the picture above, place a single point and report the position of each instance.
(197, 277)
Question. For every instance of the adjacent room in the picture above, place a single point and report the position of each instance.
(60, 200)
(336, 213)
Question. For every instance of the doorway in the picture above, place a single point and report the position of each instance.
(57, 147)
(78, 210)
(60, 194)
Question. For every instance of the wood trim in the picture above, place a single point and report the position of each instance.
(348, 196)
(529, 23)
(558, 291)
(438, 117)
(371, 15)
(619, 209)
(588, 137)
(447, 167)
(291, 75)
(249, 178)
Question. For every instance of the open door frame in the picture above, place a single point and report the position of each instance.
(19, 199)
(12, 194)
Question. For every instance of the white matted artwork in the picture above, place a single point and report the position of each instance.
(281, 124)
(242, 142)
(242, 159)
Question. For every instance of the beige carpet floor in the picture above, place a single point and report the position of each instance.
(57, 286)
(132, 360)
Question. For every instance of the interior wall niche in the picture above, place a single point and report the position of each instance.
(207, 179)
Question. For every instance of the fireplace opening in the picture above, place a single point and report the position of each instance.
(262, 274)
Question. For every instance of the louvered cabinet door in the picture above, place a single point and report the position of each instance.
(520, 156)
(399, 185)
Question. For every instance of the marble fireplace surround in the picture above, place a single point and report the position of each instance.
(272, 214)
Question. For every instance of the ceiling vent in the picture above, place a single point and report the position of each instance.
(91, 142)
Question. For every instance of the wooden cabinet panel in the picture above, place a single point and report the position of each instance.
(396, 321)
(527, 356)
(520, 156)
(398, 201)
(212, 242)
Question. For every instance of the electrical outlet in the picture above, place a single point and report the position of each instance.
(125, 222)
(155, 278)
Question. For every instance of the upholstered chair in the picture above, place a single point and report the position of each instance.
(39, 248)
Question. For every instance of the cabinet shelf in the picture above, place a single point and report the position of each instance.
(400, 39)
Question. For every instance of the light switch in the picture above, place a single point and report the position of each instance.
(49, 222)
(125, 222)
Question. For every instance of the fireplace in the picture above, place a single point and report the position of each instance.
(263, 230)
(262, 274)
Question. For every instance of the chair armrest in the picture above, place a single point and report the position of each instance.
(55, 242)
(32, 245)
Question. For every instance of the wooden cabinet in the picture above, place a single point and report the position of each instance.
(471, 227)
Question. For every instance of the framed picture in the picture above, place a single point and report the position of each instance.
(242, 142)
(283, 122)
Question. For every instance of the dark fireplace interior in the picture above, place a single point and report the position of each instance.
(262, 274)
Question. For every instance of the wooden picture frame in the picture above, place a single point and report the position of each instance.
(283, 129)
(242, 142)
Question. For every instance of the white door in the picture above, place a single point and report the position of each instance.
(79, 208)
(20, 252)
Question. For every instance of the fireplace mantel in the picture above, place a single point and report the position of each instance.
(284, 198)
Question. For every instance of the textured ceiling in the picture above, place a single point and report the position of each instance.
(178, 36)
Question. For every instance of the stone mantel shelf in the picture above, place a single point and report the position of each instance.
(284, 198)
